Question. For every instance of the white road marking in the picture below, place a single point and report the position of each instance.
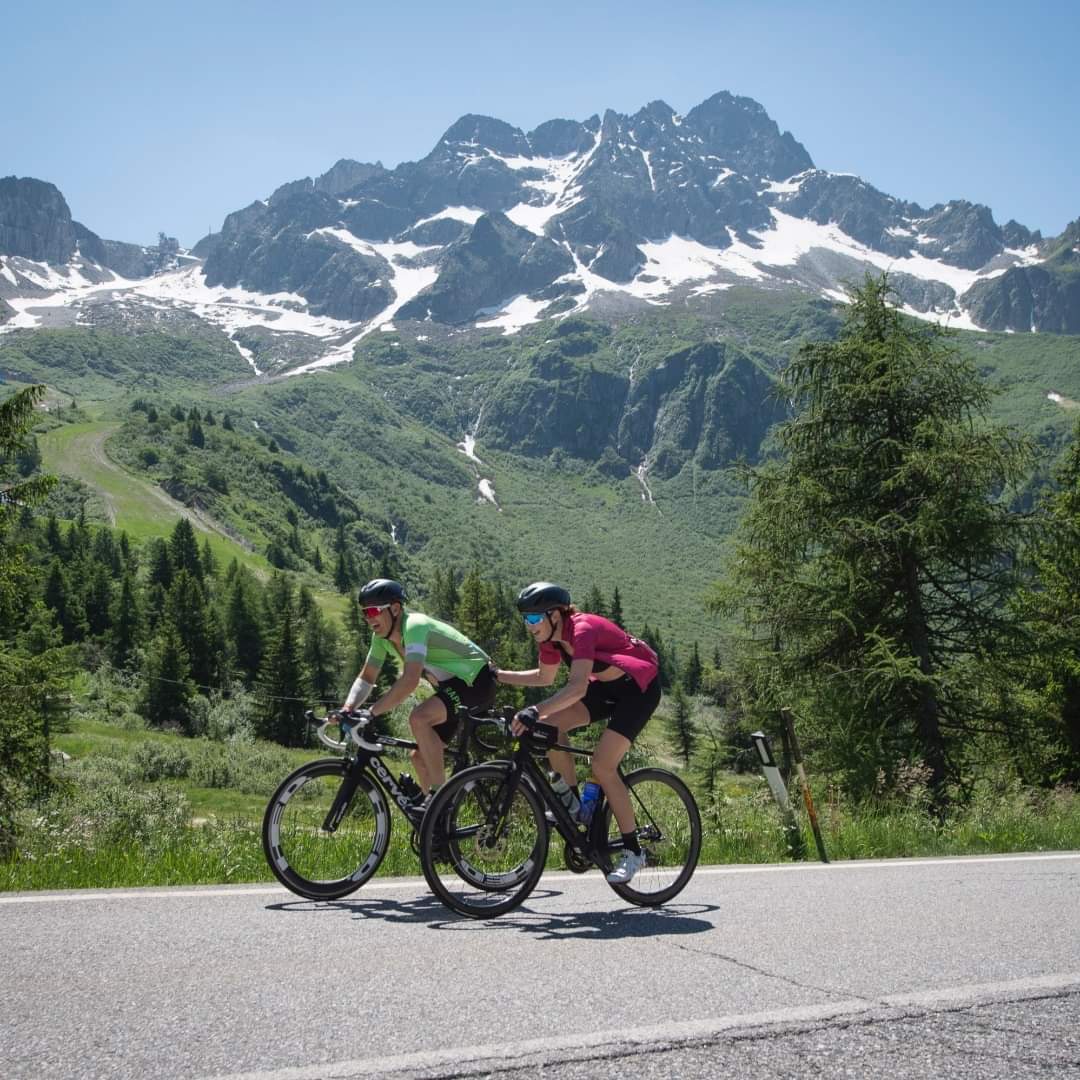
(379, 885)
(466, 1060)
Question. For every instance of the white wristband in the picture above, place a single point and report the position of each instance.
(359, 692)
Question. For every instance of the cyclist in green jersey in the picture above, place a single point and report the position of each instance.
(458, 669)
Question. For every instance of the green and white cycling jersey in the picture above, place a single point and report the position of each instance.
(446, 653)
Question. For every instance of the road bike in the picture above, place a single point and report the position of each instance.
(327, 827)
(495, 819)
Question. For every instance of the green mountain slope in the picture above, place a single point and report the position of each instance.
(599, 450)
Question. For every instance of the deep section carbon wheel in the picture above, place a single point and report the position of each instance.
(304, 855)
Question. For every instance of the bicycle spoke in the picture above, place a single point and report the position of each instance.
(668, 830)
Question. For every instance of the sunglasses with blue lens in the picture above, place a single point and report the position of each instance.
(533, 617)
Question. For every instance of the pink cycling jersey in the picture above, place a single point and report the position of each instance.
(593, 637)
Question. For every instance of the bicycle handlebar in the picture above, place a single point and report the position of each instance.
(501, 723)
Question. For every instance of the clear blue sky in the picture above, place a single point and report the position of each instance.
(167, 116)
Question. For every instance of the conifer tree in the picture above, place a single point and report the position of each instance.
(594, 602)
(321, 658)
(24, 742)
(207, 559)
(97, 601)
(161, 568)
(681, 725)
(281, 689)
(691, 676)
(128, 558)
(1049, 662)
(444, 593)
(125, 623)
(195, 624)
(616, 611)
(105, 552)
(477, 611)
(243, 627)
(184, 549)
(65, 603)
(53, 539)
(875, 557)
(167, 688)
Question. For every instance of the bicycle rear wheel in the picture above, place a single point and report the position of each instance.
(481, 855)
(669, 831)
(309, 860)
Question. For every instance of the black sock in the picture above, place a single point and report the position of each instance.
(630, 842)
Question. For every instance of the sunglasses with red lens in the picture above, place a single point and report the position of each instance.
(533, 617)
(374, 612)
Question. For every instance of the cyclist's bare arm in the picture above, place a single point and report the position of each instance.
(406, 683)
(574, 690)
(544, 675)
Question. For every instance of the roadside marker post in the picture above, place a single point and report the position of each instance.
(796, 844)
(811, 813)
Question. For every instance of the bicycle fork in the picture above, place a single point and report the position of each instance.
(340, 806)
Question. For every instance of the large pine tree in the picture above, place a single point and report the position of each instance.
(875, 557)
(281, 688)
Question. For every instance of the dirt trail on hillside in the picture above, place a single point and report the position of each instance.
(93, 445)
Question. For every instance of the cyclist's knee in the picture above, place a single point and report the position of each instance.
(605, 771)
(425, 716)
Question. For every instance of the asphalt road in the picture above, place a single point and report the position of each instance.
(910, 968)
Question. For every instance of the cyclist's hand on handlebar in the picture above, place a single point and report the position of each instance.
(525, 720)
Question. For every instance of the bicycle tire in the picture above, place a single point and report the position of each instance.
(309, 861)
(669, 831)
(455, 851)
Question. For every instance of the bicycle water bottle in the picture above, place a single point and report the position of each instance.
(567, 795)
(590, 800)
(409, 787)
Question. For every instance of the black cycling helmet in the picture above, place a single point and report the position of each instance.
(542, 597)
(380, 591)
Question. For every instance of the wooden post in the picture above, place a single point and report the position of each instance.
(795, 842)
(789, 727)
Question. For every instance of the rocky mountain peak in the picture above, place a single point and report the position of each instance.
(345, 174)
(740, 131)
(474, 132)
(35, 221)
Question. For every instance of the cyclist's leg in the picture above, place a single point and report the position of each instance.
(632, 709)
(566, 720)
(609, 752)
(430, 748)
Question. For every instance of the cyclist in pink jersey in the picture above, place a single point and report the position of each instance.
(613, 677)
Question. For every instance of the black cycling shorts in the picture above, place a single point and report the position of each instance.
(623, 704)
(457, 693)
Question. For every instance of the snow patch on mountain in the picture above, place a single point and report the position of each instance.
(513, 314)
(469, 214)
(558, 186)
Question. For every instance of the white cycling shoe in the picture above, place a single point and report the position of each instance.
(630, 863)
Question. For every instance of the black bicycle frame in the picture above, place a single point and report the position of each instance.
(524, 765)
(370, 762)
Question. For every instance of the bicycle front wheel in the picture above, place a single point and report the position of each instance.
(304, 856)
(483, 841)
(669, 831)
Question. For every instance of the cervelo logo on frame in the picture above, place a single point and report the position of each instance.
(388, 781)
